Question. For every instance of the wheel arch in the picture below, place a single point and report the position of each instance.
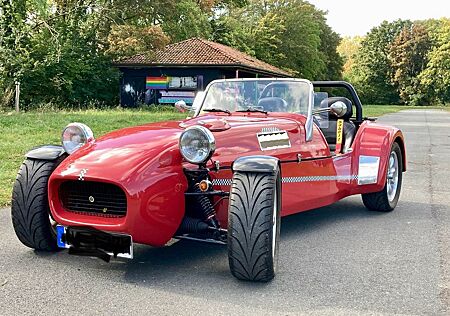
(46, 152)
(256, 163)
(399, 139)
(376, 140)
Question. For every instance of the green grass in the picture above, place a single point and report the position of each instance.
(378, 110)
(20, 132)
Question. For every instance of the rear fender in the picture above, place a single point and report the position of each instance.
(373, 143)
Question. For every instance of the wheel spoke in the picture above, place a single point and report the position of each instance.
(392, 176)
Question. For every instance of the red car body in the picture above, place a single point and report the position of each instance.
(145, 162)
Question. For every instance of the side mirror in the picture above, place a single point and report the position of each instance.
(182, 106)
(338, 108)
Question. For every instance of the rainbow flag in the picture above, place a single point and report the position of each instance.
(157, 83)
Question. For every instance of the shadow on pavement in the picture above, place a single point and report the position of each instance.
(323, 260)
(184, 259)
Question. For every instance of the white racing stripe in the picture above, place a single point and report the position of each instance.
(222, 182)
(318, 178)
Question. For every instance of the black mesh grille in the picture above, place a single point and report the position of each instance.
(95, 198)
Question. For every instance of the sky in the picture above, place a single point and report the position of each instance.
(353, 17)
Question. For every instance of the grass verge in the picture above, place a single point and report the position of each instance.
(378, 110)
(20, 132)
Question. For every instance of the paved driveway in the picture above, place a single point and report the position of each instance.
(335, 260)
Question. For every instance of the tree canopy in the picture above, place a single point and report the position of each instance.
(62, 50)
(401, 62)
(435, 78)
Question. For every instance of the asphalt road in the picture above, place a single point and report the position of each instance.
(337, 260)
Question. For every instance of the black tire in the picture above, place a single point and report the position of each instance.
(30, 210)
(379, 201)
(255, 201)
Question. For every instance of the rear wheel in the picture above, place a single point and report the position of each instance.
(386, 200)
(30, 210)
(254, 225)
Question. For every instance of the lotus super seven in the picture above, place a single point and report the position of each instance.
(254, 150)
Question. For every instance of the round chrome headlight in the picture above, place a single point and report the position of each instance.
(197, 144)
(75, 135)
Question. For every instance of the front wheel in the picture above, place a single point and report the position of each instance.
(386, 199)
(30, 210)
(254, 225)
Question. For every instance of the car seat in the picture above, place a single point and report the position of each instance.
(273, 104)
(349, 129)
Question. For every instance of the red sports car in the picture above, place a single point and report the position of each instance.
(255, 150)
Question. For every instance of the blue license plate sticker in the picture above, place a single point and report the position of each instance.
(60, 233)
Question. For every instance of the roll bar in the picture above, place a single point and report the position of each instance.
(349, 88)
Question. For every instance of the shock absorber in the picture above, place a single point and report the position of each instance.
(209, 215)
(193, 225)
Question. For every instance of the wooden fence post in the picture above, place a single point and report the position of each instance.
(17, 96)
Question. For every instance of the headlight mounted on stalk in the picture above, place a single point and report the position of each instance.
(197, 144)
(75, 135)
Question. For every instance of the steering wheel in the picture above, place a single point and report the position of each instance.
(273, 104)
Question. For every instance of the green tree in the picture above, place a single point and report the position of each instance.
(129, 40)
(267, 38)
(290, 34)
(347, 49)
(252, 30)
(187, 20)
(372, 68)
(409, 56)
(329, 41)
(14, 41)
(57, 54)
(435, 78)
(434, 28)
(62, 50)
(301, 41)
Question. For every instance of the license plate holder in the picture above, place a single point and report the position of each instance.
(79, 237)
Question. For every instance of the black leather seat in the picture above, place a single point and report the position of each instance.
(273, 104)
(349, 129)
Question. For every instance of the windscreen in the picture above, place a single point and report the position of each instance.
(263, 95)
(320, 105)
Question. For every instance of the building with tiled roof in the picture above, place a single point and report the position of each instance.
(200, 52)
(181, 69)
